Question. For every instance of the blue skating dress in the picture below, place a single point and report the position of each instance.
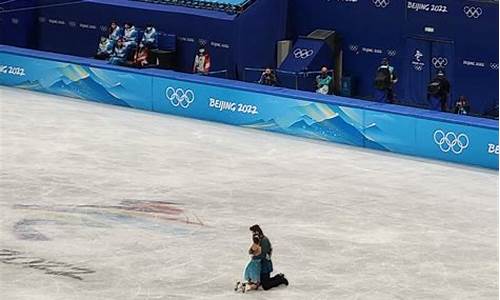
(252, 271)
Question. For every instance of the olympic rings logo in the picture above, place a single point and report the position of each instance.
(418, 67)
(439, 62)
(381, 3)
(353, 48)
(300, 53)
(473, 12)
(494, 66)
(179, 97)
(451, 141)
(392, 52)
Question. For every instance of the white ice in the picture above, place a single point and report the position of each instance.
(345, 223)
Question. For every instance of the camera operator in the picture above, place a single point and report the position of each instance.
(268, 78)
(462, 106)
(385, 79)
(438, 92)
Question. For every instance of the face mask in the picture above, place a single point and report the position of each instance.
(202, 51)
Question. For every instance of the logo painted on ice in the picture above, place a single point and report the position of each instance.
(473, 12)
(418, 65)
(300, 53)
(451, 141)
(179, 97)
(381, 3)
(439, 62)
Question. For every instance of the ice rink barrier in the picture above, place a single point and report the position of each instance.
(416, 132)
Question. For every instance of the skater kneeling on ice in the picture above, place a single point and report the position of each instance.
(252, 270)
(266, 265)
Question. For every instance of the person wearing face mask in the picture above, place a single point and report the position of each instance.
(268, 78)
(105, 48)
(120, 53)
(114, 32)
(130, 36)
(142, 57)
(462, 106)
(201, 62)
(323, 82)
(150, 37)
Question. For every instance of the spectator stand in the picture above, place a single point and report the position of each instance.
(228, 6)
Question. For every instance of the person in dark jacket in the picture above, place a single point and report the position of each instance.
(385, 79)
(268, 78)
(438, 92)
(267, 282)
(462, 106)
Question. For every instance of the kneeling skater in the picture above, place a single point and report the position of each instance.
(251, 276)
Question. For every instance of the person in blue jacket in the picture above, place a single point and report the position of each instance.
(105, 48)
(130, 35)
(120, 53)
(150, 37)
(114, 32)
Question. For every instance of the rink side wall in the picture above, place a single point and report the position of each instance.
(417, 132)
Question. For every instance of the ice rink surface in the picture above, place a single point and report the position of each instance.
(102, 202)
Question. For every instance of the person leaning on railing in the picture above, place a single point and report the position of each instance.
(323, 82)
(462, 106)
(268, 78)
(202, 62)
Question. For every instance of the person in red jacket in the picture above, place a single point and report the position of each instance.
(201, 62)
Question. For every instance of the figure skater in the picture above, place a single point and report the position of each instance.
(251, 276)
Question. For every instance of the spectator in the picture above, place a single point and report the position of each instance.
(141, 57)
(120, 53)
(202, 62)
(150, 37)
(462, 106)
(105, 48)
(385, 79)
(438, 92)
(114, 32)
(268, 78)
(130, 36)
(323, 82)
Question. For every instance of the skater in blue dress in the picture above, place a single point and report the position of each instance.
(252, 270)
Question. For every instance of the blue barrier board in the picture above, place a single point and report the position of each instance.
(358, 123)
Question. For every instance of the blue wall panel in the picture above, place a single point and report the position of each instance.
(391, 128)
(373, 29)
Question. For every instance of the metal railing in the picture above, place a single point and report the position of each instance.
(297, 80)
